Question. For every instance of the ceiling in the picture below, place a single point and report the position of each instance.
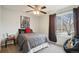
(50, 8)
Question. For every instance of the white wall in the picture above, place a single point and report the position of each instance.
(0, 21)
(0, 25)
(44, 24)
(11, 21)
(0, 18)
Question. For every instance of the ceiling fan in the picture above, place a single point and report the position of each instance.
(36, 9)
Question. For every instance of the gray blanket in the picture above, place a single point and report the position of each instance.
(28, 41)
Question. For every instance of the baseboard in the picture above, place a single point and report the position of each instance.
(52, 42)
(55, 43)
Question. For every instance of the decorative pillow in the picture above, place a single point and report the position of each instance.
(27, 30)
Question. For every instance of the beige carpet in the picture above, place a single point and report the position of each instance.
(53, 48)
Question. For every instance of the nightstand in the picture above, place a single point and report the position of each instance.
(10, 38)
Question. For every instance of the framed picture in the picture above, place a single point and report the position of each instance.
(24, 21)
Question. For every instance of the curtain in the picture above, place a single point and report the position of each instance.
(76, 21)
(52, 35)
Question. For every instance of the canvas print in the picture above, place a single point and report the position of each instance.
(24, 21)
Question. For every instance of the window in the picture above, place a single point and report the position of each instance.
(64, 22)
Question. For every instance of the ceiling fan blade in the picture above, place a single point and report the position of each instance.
(43, 7)
(43, 12)
(29, 11)
(30, 6)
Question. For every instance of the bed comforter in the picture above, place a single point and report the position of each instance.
(28, 41)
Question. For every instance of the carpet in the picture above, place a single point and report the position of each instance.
(53, 48)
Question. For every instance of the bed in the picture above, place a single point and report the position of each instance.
(32, 42)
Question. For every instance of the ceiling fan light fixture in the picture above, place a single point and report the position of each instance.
(37, 9)
(36, 12)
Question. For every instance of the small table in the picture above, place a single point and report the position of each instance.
(10, 38)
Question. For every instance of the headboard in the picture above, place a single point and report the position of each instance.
(23, 30)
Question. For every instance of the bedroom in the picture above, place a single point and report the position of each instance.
(10, 22)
